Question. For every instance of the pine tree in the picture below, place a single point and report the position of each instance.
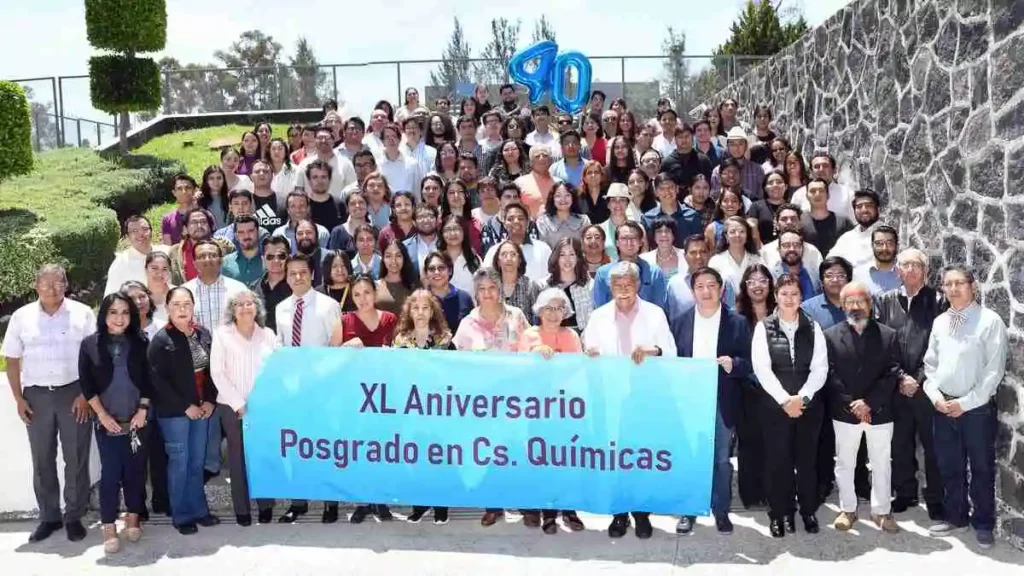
(307, 86)
(543, 30)
(676, 83)
(454, 66)
(501, 48)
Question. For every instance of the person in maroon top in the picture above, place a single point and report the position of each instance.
(372, 328)
(402, 224)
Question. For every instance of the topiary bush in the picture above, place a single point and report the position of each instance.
(15, 131)
(124, 83)
(126, 25)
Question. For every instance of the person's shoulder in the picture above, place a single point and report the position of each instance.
(233, 285)
(388, 317)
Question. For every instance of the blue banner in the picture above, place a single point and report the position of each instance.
(483, 429)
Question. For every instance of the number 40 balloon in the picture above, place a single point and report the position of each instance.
(550, 74)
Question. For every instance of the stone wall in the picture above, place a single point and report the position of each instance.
(923, 102)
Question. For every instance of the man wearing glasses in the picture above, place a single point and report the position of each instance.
(272, 287)
(41, 348)
(543, 133)
(352, 138)
(911, 310)
(629, 240)
(855, 245)
(965, 362)
(881, 274)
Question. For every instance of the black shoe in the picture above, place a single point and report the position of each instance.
(187, 529)
(810, 523)
(618, 527)
(901, 504)
(685, 525)
(330, 515)
(824, 491)
(643, 529)
(210, 521)
(550, 526)
(723, 524)
(207, 476)
(44, 531)
(383, 513)
(164, 509)
(789, 522)
(243, 519)
(418, 512)
(359, 514)
(265, 516)
(292, 514)
(75, 531)
(440, 516)
(776, 528)
(144, 515)
(935, 512)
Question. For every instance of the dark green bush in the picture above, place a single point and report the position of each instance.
(15, 131)
(127, 26)
(64, 212)
(124, 84)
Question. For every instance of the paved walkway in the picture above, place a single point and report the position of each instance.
(464, 547)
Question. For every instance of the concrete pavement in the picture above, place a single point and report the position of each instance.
(464, 547)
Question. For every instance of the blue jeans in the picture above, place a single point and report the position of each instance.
(969, 440)
(721, 479)
(185, 441)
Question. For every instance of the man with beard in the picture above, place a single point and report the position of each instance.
(342, 171)
(826, 308)
(679, 294)
(629, 239)
(881, 275)
(323, 209)
(510, 104)
(787, 217)
(535, 252)
(424, 241)
(824, 167)
(306, 243)
(911, 310)
(855, 245)
(198, 227)
(240, 203)
(864, 369)
(246, 263)
(298, 209)
(791, 245)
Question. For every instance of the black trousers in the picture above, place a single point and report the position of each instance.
(791, 443)
(912, 419)
(625, 515)
(750, 450)
(156, 466)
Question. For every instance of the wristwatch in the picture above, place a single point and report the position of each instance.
(806, 400)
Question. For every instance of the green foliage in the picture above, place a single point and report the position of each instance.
(126, 26)
(124, 83)
(760, 32)
(454, 65)
(15, 131)
(502, 46)
(64, 211)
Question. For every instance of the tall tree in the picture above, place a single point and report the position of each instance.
(257, 80)
(454, 66)
(676, 82)
(543, 30)
(503, 43)
(44, 125)
(307, 82)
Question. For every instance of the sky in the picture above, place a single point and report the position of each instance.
(50, 35)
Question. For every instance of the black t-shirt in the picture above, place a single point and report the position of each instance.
(268, 212)
(824, 233)
(324, 212)
(765, 215)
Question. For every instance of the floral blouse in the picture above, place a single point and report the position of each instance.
(475, 333)
(434, 341)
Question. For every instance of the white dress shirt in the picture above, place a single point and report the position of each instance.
(549, 139)
(128, 264)
(402, 174)
(770, 256)
(664, 145)
(967, 364)
(840, 200)
(762, 361)
(283, 184)
(319, 315)
(235, 361)
(48, 346)
(536, 254)
(648, 328)
(705, 334)
(343, 173)
(732, 271)
(212, 299)
(855, 245)
(424, 156)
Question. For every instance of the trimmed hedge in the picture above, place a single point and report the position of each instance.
(124, 83)
(65, 211)
(15, 131)
(127, 26)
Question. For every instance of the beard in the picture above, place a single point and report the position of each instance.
(307, 247)
(857, 318)
(792, 258)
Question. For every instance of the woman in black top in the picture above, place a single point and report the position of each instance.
(775, 195)
(184, 397)
(114, 377)
(337, 279)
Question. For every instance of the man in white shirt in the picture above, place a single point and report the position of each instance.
(536, 252)
(628, 326)
(401, 172)
(130, 264)
(306, 318)
(839, 200)
(416, 150)
(855, 245)
(788, 218)
(665, 142)
(342, 171)
(41, 348)
(543, 133)
(352, 138)
(374, 140)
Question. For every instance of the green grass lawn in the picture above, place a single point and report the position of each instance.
(195, 157)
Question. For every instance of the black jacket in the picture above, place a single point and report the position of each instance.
(864, 367)
(95, 369)
(682, 169)
(173, 375)
(913, 327)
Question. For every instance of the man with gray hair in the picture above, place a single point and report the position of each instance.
(911, 310)
(628, 326)
(42, 348)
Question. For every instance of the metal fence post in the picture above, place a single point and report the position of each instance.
(401, 98)
(99, 137)
(334, 74)
(167, 91)
(78, 128)
(61, 136)
(280, 87)
(622, 71)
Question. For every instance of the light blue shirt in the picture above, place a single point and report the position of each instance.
(288, 231)
(877, 281)
(652, 284)
(568, 174)
(969, 364)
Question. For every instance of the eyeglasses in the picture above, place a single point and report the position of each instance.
(884, 243)
(56, 285)
(835, 276)
(550, 309)
(855, 302)
(911, 266)
(752, 281)
(276, 257)
(437, 268)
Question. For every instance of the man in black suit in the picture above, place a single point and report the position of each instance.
(863, 358)
(709, 330)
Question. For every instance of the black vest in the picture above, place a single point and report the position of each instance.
(792, 372)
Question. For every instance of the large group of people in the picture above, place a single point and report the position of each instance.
(502, 228)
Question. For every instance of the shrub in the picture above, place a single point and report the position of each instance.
(15, 131)
(126, 25)
(65, 212)
(124, 83)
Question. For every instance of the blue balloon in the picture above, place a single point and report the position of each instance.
(559, 74)
(537, 81)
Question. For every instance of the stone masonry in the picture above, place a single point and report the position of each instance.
(923, 101)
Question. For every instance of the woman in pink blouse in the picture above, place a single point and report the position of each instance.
(240, 347)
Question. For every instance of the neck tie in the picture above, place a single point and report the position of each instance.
(297, 322)
(956, 320)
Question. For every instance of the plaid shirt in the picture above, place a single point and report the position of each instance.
(523, 295)
(212, 299)
(582, 304)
